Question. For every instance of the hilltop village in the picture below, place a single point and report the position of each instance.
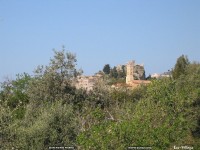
(135, 75)
(108, 111)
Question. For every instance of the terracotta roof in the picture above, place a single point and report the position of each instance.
(132, 84)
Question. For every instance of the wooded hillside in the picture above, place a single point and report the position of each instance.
(45, 110)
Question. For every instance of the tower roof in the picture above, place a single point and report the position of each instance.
(132, 62)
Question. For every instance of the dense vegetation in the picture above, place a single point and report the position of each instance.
(114, 75)
(45, 110)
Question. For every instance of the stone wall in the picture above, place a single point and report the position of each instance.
(86, 82)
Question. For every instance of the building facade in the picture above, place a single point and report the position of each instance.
(87, 82)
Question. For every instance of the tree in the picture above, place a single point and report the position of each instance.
(54, 124)
(13, 101)
(114, 73)
(53, 82)
(14, 94)
(180, 66)
(164, 114)
(106, 69)
(122, 73)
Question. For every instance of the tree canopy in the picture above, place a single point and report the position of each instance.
(106, 69)
(180, 66)
(45, 110)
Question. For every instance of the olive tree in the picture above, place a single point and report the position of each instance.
(54, 81)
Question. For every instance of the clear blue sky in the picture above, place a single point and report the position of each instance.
(153, 32)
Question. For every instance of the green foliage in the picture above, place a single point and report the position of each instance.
(106, 69)
(98, 137)
(111, 81)
(14, 94)
(52, 125)
(180, 66)
(122, 73)
(46, 110)
(99, 97)
(114, 73)
(118, 74)
(161, 120)
(165, 114)
(54, 81)
(6, 120)
(14, 91)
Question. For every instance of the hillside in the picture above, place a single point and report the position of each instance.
(46, 111)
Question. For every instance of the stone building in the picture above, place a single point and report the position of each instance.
(135, 76)
(134, 72)
(162, 75)
(87, 82)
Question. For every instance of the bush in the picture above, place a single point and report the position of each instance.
(166, 115)
(52, 125)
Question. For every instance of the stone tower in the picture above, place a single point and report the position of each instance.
(129, 71)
